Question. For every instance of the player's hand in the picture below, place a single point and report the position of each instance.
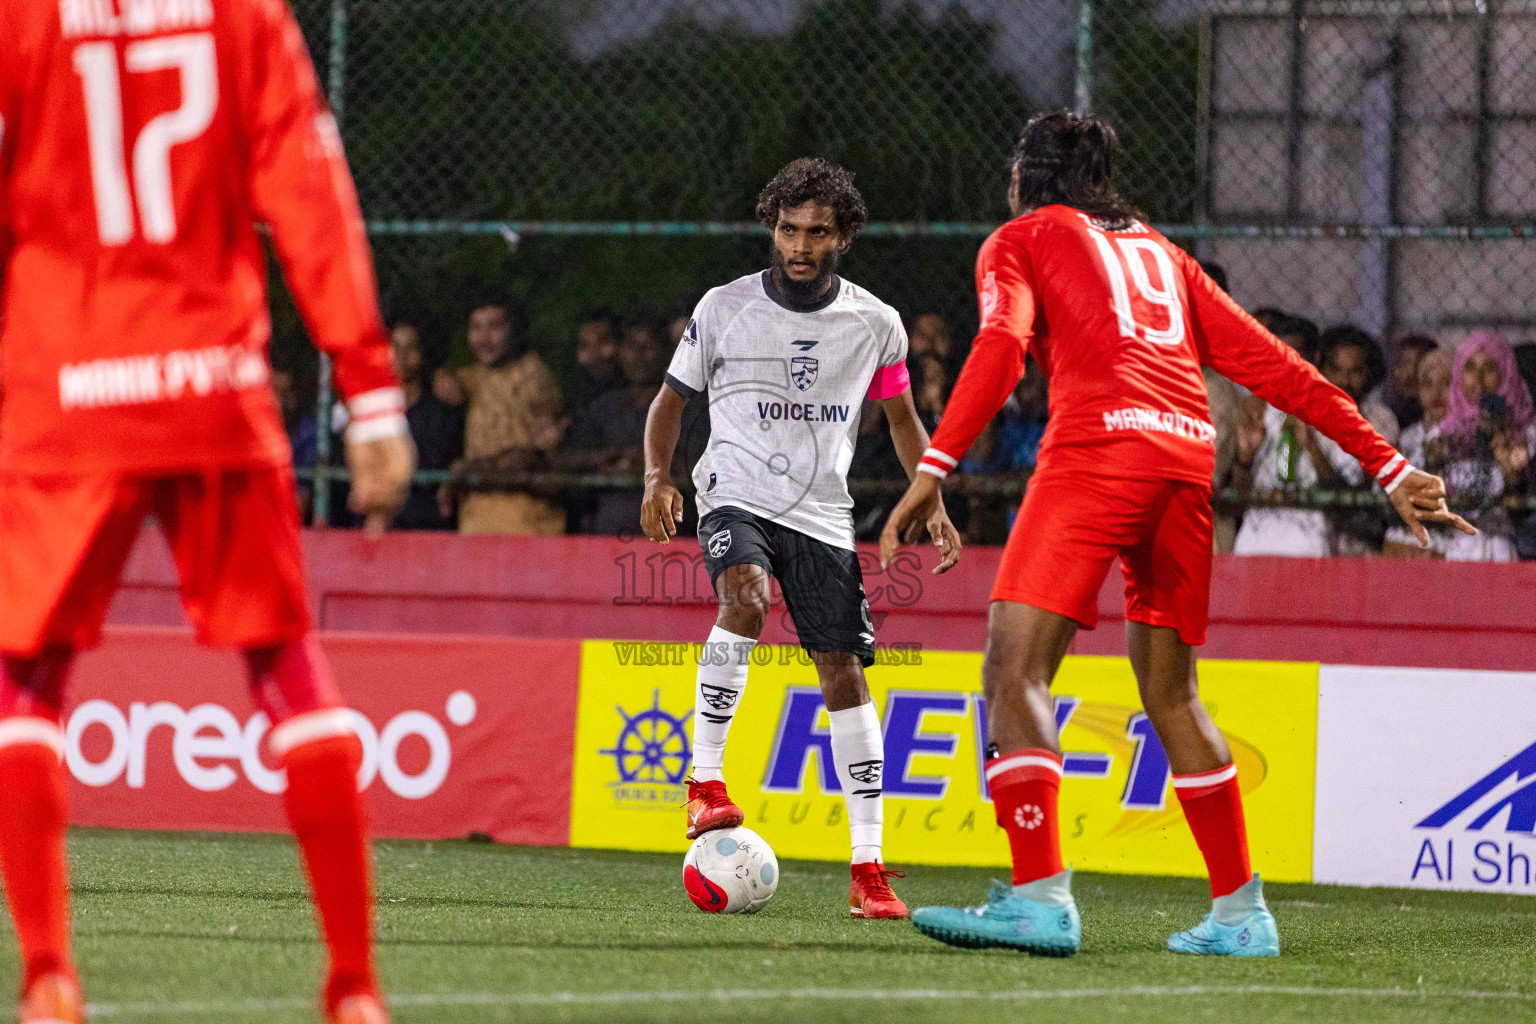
(381, 477)
(922, 506)
(661, 509)
(1420, 499)
(945, 537)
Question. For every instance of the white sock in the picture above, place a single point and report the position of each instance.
(717, 694)
(1054, 890)
(859, 752)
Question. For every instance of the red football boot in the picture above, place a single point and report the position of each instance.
(52, 999)
(709, 808)
(870, 895)
(363, 1008)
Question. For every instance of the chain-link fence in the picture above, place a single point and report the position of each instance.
(1352, 161)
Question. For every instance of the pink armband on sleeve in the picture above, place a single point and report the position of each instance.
(889, 382)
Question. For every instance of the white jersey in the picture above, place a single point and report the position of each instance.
(785, 385)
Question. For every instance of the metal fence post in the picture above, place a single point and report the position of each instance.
(336, 80)
(1082, 92)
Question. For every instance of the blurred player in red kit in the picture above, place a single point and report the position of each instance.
(139, 144)
(1121, 321)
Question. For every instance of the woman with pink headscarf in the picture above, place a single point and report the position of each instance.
(1485, 443)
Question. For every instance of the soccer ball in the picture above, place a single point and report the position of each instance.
(730, 871)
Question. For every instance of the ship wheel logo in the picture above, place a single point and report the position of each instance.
(653, 745)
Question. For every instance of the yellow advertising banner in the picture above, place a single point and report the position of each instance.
(1118, 810)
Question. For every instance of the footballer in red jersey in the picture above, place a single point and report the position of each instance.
(139, 145)
(1121, 322)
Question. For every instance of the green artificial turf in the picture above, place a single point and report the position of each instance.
(189, 928)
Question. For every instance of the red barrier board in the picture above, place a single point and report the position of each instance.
(1368, 611)
(461, 735)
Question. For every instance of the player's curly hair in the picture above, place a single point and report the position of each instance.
(1067, 159)
(812, 178)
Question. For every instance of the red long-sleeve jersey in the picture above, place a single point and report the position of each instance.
(141, 141)
(1121, 323)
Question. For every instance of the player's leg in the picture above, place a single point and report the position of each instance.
(743, 593)
(33, 815)
(314, 741)
(737, 557)
(1025, 646)
(1167, 588)
(1037, 913)
(235, 537)
(858, 755)
(824, 594)
(62, 546)
(1068, 531)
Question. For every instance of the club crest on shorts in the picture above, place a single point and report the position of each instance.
(719, 543)
(802, 369)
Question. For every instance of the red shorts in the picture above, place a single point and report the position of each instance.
(233, 533)
(1072, 526)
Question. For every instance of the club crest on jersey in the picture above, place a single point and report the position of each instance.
(719, 543)
(802, 370)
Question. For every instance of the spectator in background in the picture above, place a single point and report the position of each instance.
(1008, 445)
(1011, 442)
(1434, 377)
(1353, 362)
(874, 458)
(299, 419)
(1400, 391)
(930, 389)
(302, 426)
(1224, 399)
(597, 354)
(1525, 359)
(930, 337)
(436, 427)
(1298, 332)
(1485, 444)
(608, 436)
(512, 424)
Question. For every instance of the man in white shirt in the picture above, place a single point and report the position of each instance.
(786, 357)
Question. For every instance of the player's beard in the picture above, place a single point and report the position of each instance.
(803, 293)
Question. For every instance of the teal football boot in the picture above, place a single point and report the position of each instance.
(1238, 925)
(1040, 917)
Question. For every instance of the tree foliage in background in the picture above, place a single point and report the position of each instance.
(488, 110)
(478, 109)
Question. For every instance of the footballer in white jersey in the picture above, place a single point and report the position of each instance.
(786, 358)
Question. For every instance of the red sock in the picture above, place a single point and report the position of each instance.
(1213, 806)
(1024, 785)
(34, 802)
(322, 756)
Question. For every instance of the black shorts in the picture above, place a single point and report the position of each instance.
(822, 584)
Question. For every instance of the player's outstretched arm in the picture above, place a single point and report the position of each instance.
(1239, 347)
(911, 440)
(661, 509)
(1420, 498)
